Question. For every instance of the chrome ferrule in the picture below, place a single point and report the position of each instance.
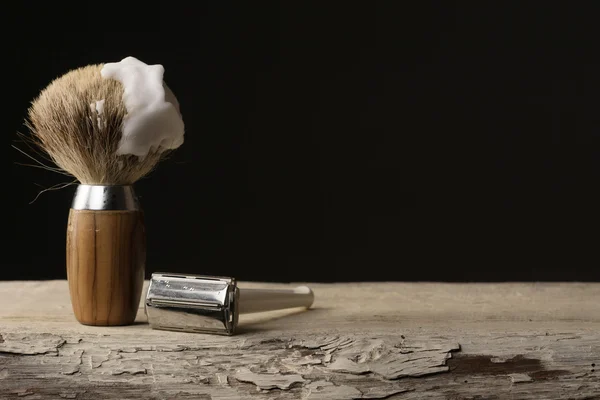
(104, 198)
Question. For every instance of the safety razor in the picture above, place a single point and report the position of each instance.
(209, 304)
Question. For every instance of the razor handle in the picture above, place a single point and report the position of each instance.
(212, 304)
(260, 300)
(106, 255)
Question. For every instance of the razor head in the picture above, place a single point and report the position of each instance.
(192, 303)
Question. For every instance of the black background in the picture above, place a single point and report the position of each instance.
(333, 141)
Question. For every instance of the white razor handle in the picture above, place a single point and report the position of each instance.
(259, 300)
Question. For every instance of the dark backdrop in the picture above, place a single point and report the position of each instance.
(333, 141)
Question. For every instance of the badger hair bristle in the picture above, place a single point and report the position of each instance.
(77, 120)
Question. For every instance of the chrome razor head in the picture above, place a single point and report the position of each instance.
(192, 303)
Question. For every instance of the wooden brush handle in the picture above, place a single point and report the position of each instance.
(106, 256)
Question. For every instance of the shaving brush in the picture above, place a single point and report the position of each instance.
(108, 125)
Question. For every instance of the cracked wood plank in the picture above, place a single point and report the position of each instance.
(362, 341)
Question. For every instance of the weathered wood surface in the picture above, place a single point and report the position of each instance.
(361, 341)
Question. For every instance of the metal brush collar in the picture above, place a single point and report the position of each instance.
(110, 197)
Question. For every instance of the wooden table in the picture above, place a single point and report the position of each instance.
(361, 341)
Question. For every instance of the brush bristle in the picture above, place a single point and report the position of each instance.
(64, 123)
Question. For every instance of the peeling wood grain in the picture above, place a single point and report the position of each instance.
(317, 354)
(34, 343)
(222, 379)
(262, 369)
(520, 378)
(324, 390)
(269, 381)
